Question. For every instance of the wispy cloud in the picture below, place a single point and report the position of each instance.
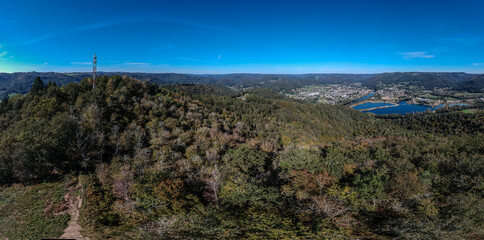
(104, 24)
(3, 54)
(130, 19)
(194, 60)
(478, 64)
(413, 55)
(220, 55)
(37, 39)
(46, 63)
(74, 30)
(81, 63)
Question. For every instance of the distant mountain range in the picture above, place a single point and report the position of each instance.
(21, 82)
(425, 80)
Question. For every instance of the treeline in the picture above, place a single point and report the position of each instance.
(179, 162)
(20, 83)
(443, 122)
(202, 90)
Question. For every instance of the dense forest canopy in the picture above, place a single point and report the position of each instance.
(178, 162)
(474, 84)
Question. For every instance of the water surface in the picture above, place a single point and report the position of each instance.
(371, 105)
(404, 108)
(363, 98)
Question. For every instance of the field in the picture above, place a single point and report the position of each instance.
(33, 212)
(470, 111)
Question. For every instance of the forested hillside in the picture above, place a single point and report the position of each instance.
(428, 81)
(474, 84)
(20, 82)
(178, 162)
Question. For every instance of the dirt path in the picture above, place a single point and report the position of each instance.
(73, 230)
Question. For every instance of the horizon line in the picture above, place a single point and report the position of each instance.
(252, 73)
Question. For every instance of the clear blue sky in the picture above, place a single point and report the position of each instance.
(242, 36)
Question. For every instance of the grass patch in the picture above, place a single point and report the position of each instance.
(470, 111)
(430, 96)
(29, 212)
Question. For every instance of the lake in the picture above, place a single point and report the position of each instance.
(458, 104)
(371, 105)
(404, 108)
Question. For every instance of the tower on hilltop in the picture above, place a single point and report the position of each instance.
(94, 68)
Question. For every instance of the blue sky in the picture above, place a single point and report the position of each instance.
(229, 36)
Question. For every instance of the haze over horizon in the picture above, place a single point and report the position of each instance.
(214, 37)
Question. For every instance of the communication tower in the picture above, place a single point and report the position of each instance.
(94, 68)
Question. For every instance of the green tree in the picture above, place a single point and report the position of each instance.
(37, 86)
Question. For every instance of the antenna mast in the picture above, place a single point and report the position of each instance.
(94, 68)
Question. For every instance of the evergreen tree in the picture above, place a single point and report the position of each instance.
(38, 86)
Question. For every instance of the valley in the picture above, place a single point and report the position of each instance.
(395, 98)
(427, 89)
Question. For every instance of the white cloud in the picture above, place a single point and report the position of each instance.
(193, 59)
(81, 63)
(73, 30)
(37, 39)
(3, 54)
(220, 55)
(412, 55)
